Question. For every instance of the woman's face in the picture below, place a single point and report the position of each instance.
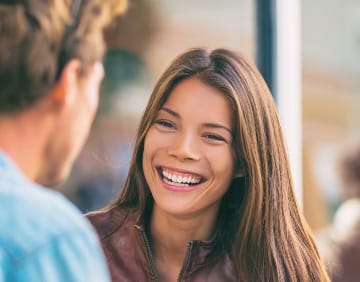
(188, 158)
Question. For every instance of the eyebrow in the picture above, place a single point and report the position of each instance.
(210, 125)
(171, 112)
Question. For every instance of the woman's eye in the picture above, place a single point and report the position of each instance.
(215, 137)
(164, 123)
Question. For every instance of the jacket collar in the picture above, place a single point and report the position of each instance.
(200, 251)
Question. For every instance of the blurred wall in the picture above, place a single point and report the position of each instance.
(331, 99)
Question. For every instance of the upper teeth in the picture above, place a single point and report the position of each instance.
(180, 179)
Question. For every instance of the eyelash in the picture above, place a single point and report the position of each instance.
(164, 123)
(215, 138)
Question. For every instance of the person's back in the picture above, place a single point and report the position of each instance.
(50, 73)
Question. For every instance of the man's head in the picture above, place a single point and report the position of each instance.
(349, 171)
(50, 64)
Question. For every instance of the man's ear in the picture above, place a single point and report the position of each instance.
(66, 88)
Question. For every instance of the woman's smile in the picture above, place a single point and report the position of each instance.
(179, 180)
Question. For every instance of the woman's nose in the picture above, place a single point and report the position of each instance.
(185, 147)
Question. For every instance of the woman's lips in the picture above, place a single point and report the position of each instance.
(178, 179)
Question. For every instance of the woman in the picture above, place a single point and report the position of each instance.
(209, 194)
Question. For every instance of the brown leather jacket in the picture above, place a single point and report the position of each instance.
(129, 256)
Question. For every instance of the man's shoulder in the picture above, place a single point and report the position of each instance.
(42, 234)
(33, 216)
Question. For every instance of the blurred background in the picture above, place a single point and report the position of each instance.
(153, 32)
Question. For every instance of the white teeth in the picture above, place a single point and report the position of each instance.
(193, 180)
(174, 183)
(177, 179)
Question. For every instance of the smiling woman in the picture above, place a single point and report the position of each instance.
(209, 194)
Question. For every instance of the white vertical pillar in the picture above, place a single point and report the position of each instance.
(288, 83)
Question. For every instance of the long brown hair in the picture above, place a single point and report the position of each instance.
(262, 226)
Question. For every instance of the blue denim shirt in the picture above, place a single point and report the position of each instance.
(43, 237)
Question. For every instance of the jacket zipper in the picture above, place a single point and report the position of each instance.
(149, 253)
(186, 260)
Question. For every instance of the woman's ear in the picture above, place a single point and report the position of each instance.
(239, 173)
(239, 170)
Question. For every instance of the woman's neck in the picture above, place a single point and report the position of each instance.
(170, 234)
